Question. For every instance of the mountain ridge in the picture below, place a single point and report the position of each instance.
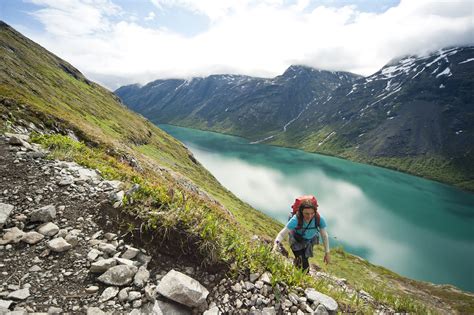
(411, 109)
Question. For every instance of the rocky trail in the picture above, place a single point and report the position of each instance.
(59, 252)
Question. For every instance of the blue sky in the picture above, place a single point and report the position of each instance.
(120, 42)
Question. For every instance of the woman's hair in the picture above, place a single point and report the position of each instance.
(306, 204)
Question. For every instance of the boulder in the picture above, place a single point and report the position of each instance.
(102, 265)
(5, 211)
(95, 311)
(317, 297)
(20, 295)
(141, 277)
(266, 277)
(165, 308)
(212, 311)
(321, 310)
(183, 289)
(48, 229)
(13, 235)
(44, 214)
(59, 245)
(119, 275)
(109, 293)
(130, 253)
(32, 237)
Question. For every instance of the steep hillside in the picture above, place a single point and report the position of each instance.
(172, 205)
(50, 92)
(234, 104)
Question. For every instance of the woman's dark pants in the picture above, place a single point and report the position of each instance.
(300, 260)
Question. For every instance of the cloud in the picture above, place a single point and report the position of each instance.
(75, 18)
(150, 16)
(260, 38)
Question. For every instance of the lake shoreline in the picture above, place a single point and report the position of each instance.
(355, 160)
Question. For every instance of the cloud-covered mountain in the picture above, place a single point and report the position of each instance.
(233, 103)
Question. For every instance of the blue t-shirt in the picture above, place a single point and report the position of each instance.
(311, 231)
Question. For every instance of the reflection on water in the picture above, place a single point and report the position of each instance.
(418, 228)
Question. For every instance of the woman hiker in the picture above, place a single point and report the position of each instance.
(304, 227)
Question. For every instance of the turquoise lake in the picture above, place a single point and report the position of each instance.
(416, 227)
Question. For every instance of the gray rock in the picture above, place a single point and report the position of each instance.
(130, 253)
(212, 311)
(5, 211)
(293, 298)
(150, 292)
(13, 235)
(268, 311)
(236, 288)
(107, 248)
(110, 236)
(329, 303)
(72, 239)
(66, 181)
(54, 310)
(321, 310)
(254, 277)
(143, 259)
(48, 229)
(134, 295)
(126, 262)
(59, 245)
(102, 265)
(109, 293)
(44, 214)
(93, 254)
(112, 184)
(123, 294)
(141, 277)
(22, 294)
(182, 289)
(92, 289)
(249, 285)
(95, 311)
(165, 308)
(35, 268)
(32, 237)
(5, 304)
(118, 275)
(266, 278)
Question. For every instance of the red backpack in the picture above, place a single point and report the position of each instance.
(296, 207)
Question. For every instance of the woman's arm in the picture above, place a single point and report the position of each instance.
(283, 233)
(325, 237)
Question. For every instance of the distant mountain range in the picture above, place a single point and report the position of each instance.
(234, 104)
(416, 114)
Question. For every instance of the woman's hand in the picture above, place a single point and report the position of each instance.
(327, 258)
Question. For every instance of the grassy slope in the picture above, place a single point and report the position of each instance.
(38, 80)
(38, 89)
(433, 167)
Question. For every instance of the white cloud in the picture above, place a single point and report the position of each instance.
(150, 16)
(260, 38)
(75, 18)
